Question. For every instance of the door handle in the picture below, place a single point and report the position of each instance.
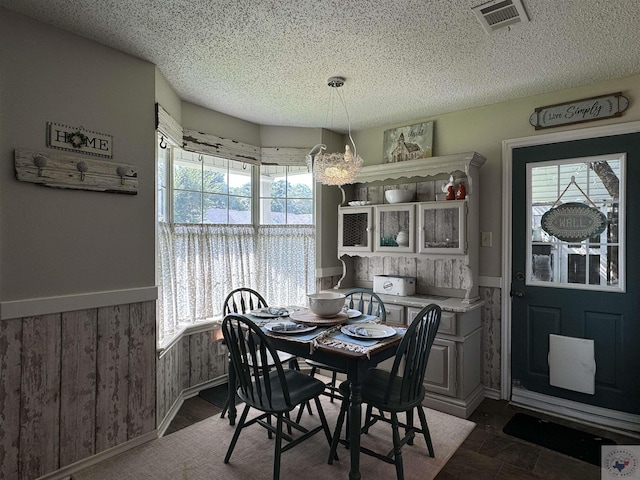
(516, 293)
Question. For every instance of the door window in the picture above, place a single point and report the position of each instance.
(595, 263)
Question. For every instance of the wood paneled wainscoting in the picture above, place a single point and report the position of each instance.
(73, 385)
(195, 360)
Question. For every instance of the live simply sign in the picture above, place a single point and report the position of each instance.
(586, 110)
(77, 139)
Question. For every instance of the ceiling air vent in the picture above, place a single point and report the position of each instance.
(500, 13)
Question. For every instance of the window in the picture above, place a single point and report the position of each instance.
(224, 224)
(209, 189)
(595, 263)
(286, 195)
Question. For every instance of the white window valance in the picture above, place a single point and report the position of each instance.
(283, 156)
(208, 144)
(167, 126)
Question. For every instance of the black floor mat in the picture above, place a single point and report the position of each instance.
(566, 440)
(217, 395)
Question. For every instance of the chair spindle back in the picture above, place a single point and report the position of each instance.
(358, 298)
(253, 357)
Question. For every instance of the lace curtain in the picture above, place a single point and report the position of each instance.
(200, 264)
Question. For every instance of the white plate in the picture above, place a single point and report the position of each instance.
(270, 312)
(375, 331)
(358, 203)
(353, 313)
(299, 328)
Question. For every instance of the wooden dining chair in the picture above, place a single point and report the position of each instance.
(396, 391)
(242, 300)
(271, 389)
(365, 301)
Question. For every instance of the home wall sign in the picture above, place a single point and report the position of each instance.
(585, 110)
(573, 222)
(79, 140)
(68, 171)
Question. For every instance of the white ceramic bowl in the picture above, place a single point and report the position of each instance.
(326, 304)
(398, 196)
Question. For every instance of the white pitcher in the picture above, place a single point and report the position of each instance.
(402, 239)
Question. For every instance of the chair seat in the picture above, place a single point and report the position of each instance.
(302, 388)
(373, 391)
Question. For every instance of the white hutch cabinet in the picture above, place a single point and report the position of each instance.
(439, 247)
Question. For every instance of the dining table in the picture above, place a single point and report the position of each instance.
(330, 345)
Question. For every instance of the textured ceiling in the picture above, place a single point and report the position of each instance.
(267, 61)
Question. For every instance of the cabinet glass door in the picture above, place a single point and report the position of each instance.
(442, 227)
(395, 228)
(354, 229)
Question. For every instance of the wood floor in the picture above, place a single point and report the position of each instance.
(487, 454)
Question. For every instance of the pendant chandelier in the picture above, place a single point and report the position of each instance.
(335, 168)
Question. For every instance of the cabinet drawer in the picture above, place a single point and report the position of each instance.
(395, 315)
(447, 320)
(440, 376)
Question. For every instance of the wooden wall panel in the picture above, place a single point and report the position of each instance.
(142, 368)
(10, 373)
(73, 384)
(113, 385)
(40, 395)
(185, 364)
(198, 359)
(78, 385)
(161, 388)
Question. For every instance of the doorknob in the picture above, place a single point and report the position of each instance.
(516, 293)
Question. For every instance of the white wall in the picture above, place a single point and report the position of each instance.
(60, 242)
(483, 129)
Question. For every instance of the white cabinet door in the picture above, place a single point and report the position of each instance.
(442, 227)
(441, 368)
(395, 228)
(355, 229)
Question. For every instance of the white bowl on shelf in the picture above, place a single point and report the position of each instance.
(326, 304)
(398, 196)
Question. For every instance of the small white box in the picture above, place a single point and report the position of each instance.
(393, 285)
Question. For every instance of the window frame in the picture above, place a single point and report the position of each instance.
(166, 210)
(587, 247)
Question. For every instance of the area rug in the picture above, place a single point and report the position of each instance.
(566, 440)
(197, 452)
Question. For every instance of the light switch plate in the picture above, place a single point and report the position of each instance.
(487, 239)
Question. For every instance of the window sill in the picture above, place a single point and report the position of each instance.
(186, 330)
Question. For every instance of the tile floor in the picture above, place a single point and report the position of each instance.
(487, 454)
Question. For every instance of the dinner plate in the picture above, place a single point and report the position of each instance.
(374, 331)
(270, 312)
(353, 313)
(287, 327)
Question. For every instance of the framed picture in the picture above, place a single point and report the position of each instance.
(408, 143)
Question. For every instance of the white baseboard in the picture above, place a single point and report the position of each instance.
(492, 393)
(455, 406)
(184, 395)
(66, 472)
(619, 422)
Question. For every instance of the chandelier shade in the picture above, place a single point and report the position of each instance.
(335, 168)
